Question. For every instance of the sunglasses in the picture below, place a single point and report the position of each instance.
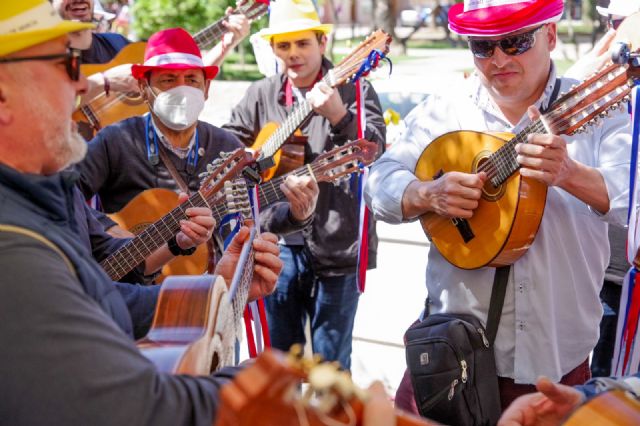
(615, 23)
(71, 59)
(513, 45)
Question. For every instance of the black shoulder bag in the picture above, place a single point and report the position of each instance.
(452, 365)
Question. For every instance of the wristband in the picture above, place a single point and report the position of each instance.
(175, 249)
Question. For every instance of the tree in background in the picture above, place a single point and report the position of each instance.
(192, 15)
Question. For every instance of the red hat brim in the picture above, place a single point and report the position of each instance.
(503, 19)
(139, 71)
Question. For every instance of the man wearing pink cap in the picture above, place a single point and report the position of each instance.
(131, 156)
(549, 322)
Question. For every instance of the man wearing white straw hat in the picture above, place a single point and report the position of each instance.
(65, 359)
(549, 323)
(319, 279)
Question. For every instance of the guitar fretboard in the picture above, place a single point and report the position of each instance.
(148, 241)
(293, 121)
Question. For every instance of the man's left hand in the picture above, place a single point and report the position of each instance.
(237, 27)
(302, 193)
(267, 264)
(327, 102)
(198, 229)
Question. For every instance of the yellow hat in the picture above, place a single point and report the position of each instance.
(26, 23)
(290, 16)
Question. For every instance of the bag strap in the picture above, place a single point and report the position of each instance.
(42, 239)
(172, 170)
(498, 292)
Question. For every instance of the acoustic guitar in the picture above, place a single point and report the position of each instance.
(141, 214)
(198, 319)
(509, 213)
(266, 393)
(104, 110)
(273, 136)
(613, 408)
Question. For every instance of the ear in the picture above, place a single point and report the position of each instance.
(207, 84)
(5, 111)
(323, 44)
(552, 35)
(142, 85)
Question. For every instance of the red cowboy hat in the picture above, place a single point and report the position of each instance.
(173, 48)
(498, 17)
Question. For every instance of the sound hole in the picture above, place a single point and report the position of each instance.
(215, 361)
(489, 191)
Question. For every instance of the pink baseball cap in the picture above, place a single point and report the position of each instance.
(486, 18)
(173, 48)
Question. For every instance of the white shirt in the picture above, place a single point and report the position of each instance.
(551, 313)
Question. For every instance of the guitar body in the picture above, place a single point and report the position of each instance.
(186, 335)
(132, 53)
(614, 408)
(145, 209)
(507, 218)
(104, 110)
(289, 157)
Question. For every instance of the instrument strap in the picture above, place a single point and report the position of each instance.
(500, 280)
(172, 169)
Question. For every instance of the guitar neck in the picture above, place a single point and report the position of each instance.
(284, 132)
(206, 37)
(503, 163)
(148, 241)
(268, 192)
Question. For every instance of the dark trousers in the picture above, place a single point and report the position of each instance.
(603, 352)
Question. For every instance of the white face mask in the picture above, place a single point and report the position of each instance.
(178, 108)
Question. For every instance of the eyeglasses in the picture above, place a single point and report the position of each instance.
(513, 45)
(72, 61)
(615, 23)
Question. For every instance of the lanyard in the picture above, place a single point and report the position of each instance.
(152, 147)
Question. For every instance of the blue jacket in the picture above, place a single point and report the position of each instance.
(45, 205)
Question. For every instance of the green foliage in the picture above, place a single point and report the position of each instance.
(192, 15)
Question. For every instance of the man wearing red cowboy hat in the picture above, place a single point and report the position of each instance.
(549, 323)
(319, 278)
(124, 158)
(68, 361)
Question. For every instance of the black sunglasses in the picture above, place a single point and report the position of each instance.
(71, 58)
(513, 45)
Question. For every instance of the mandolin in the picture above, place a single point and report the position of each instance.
(152, 234)
(273, 136)
(104, 110)
(510, 210)
(613, 408)
(141, 214)
(266, 394)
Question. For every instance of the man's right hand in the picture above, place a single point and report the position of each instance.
(454, 194)
(121, 80)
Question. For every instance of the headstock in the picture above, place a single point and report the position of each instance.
(343, 160)
(228, 166)
(350, 65)
(253, 9)
(266, 394)
(593, 99)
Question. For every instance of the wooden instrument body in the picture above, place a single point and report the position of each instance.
(288, 158)
(188, 334)
(105, 110)
(145, 209)
(262, 395)
(507, 218)
(613, 408)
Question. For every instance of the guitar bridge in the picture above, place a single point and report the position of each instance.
(464, 229)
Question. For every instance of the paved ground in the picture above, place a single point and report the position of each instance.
(395, 291)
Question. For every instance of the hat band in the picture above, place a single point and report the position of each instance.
(39, 17)
(174, 58)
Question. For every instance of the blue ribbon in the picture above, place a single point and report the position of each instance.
(634, 148)
(375, 56)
